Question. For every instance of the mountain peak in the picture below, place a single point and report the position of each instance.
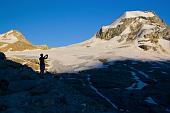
(14, 40)
(12, 31)
(142, 29)
(13, 36)
(134, 14)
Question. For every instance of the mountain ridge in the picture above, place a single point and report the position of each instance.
(146, 29)
(16, 41)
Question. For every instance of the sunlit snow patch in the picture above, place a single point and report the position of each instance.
(9, 39)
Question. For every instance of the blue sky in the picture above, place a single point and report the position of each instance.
(64, 22)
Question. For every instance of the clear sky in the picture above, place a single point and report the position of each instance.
(64, 22)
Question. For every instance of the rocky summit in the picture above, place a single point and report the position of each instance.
(144, 29)
(15, 41)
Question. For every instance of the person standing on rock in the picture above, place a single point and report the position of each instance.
(42, 63)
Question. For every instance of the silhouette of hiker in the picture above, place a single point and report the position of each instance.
(42, 63)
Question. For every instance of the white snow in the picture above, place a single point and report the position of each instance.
(138, 85)
(133, 14)
(9, 39)
(165, 44)
(79, 57)
(126, 31)
(146, 29)
(140, 72)
(100, 94)
(150, 100)
(148, 26)
(167, 110)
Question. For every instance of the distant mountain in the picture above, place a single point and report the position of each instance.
(145, 30)
(15, 41)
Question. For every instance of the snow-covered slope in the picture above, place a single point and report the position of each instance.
(15, 41)
(135, 35)
(122, 86)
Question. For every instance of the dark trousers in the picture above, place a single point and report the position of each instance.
(42, 68)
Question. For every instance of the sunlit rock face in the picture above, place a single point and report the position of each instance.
(15, 41)
(145, 29)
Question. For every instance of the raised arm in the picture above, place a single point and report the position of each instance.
(46, 56)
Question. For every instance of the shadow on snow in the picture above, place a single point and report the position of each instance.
(122, 86)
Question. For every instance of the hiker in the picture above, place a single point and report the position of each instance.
(42, 63)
